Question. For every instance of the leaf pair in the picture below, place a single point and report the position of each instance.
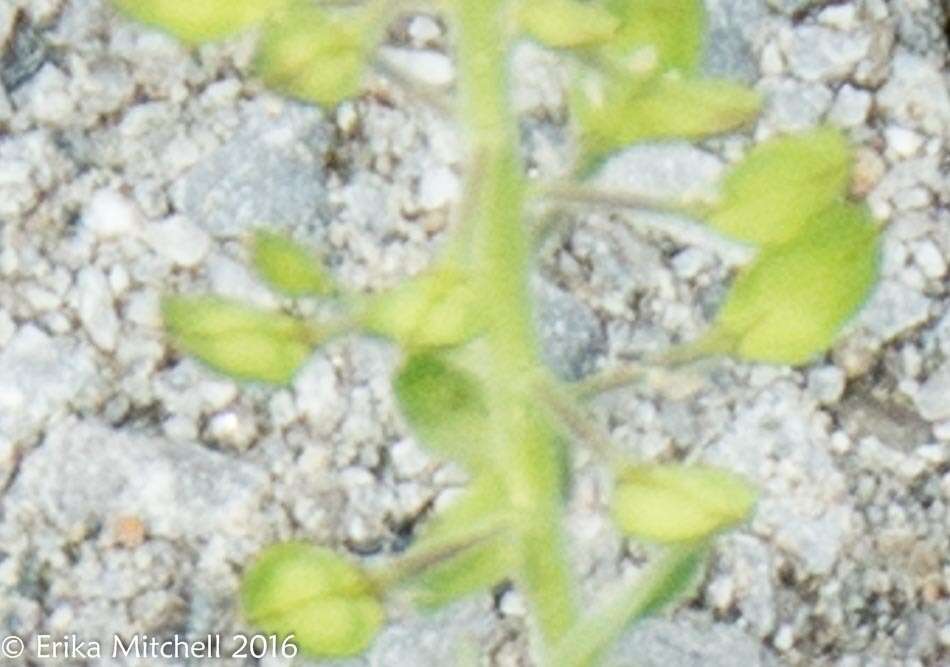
(305, 51)
(246, 342)
(819, 257)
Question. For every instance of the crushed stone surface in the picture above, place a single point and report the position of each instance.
(135, 484)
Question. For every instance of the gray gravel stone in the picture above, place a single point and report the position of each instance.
(39, 376)
(933, 398)
(270, 173)
(816, 53)
(661, 643)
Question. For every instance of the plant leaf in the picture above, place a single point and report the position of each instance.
(446, 406)
(668, 503)
(673, 29)
(241, 341)
(313, 54)
(566, 23)
(667, 107)
(435, 309)
(326, 603)
(200, 21)
(788, 306)
(782, 184)
(288, 266)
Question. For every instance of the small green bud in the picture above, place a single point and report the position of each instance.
(241, 341)
(615, 113)
(671, 29)
(329, 606)
(313, 54)
(567, 23)
(435, 309)
(782, 185)
(788, 306)
(445, 405)
(289, 267)
(671, 503)
(203, 21)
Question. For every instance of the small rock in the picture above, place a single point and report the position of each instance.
(50, 101)
(178, 240)
(571, 336)
(916, 94)
(903, 142)
(826, 384)
(893, 309)
(851, 107)
(431, 68)
(869, 169)
(842, 17)
(111, 214)
(664, 643)
(933, 397)
(438, 188)
(424, 30)
(794, 106)
(18, 191)
(816, 53)
(96, 308)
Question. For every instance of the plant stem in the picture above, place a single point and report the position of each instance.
(652, 590)
(673, 223)
(501, 251)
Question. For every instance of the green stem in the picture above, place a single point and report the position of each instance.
(662, 582)
(501, 252)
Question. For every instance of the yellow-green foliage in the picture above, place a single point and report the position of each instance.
(472, 386)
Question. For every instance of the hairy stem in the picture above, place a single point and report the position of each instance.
(501, 251)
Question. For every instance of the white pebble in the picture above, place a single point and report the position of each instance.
(109, 214)
(424, 30)
(178, 240)
(903, 142)
(96, 308)
(851, 107)
(930, 260)
(429, 67)
(438, 188)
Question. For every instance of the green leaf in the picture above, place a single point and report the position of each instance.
(667, 107)
(667, 503)
(314, 54)
(781, 185)
(436, 309)
(566, 23)
(446, 406)
(672, 29)
(242, 341)
(790, 304)
(288, 266)
(327, 604)
(200, 21)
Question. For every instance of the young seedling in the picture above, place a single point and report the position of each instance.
(472, 384)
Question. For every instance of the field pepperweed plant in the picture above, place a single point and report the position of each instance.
(471, 383)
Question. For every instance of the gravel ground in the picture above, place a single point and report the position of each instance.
(134, 484)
